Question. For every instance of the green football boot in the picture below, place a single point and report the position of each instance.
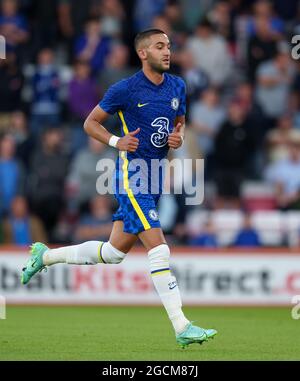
(34, 263)
(193, 334)
(211, 333)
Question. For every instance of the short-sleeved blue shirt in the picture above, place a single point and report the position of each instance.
(153, 108)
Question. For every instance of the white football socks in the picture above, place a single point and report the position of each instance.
(87, 253)
(166, 286)
(109, 254)
(93, 252)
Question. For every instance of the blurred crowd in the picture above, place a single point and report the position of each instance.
(243, 109)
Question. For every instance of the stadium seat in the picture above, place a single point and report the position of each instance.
(227, 224)
(292, 224)
(195, 220)
(258, 196)
(270, 225)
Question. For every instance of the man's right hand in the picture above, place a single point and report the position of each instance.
(129, 142)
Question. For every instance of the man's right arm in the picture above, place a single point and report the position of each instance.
(94, 128)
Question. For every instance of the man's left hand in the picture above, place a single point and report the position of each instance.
(175, 139)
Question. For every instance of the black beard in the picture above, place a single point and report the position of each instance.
(158, 69)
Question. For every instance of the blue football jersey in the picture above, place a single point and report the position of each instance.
(153, 108)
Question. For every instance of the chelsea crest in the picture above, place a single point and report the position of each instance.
(175, 103)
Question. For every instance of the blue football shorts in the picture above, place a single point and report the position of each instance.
(138, 212)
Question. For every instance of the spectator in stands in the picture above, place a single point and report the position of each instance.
(261, 46)
(83, 92)
(45, 84)
(71, 17)
(97, 224)
(192, 11)
(82, 179)
(83, 96)
(274, 79)
(220, 17)
(145, 11)
(173, 13)
(196, 80)
(207, 237)
(11, 84)
(25, 143)
(263, 9)
(284, 175)
(206, 117)
(210, 52)
(244, 94)
(112, 15)
(13, 25)
(47, 177)
(11, 173)
(233, 148)
(116, 66)
(92, 46)
(247, 235)
(279, 137)
(20, 227)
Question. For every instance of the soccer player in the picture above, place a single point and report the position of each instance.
(151, 107)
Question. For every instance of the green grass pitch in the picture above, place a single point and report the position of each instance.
(144, 333)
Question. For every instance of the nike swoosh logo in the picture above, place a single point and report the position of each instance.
(171, 288)
(142, 104)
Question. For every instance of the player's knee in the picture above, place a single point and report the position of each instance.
(118, 256)
(159, 256)
(111, 254)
